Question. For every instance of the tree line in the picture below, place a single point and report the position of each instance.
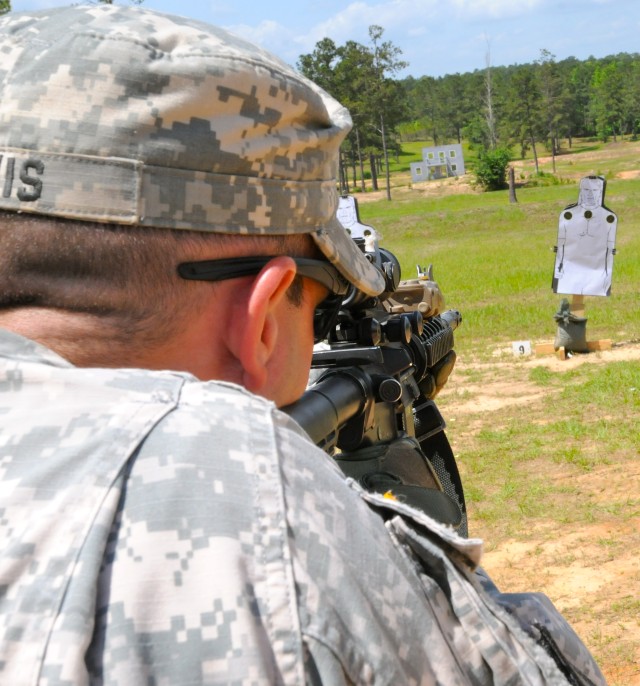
(519, 107)
(530, 104)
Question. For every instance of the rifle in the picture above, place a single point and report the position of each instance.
(370, 402)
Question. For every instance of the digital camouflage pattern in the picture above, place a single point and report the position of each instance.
(118, 114)
(158, 530)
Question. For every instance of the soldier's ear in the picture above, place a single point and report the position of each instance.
(255, 338)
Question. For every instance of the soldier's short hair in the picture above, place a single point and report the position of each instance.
(122, 274)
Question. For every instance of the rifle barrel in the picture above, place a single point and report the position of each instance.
(327, 405)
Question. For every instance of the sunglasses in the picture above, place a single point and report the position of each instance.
(326, 313)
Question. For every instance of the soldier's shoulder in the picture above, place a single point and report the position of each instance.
(219, 406)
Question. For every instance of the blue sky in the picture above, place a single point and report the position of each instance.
(436, 37)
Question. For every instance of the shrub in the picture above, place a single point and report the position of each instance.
(491, 169)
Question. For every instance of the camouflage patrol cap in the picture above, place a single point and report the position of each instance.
(119, 114)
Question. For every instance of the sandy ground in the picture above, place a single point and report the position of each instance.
(591, 571)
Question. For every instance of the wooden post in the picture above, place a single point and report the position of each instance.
(512, 185)
(577, 305)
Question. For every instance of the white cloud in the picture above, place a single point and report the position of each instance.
(495, 9)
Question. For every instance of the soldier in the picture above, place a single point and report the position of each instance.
(169, 252)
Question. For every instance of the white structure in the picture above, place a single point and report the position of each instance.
(438, 162)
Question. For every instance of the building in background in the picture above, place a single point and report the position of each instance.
(438, 162)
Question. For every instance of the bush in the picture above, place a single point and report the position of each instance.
(491, 169)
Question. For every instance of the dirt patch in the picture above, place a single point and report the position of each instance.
(634, 174)
(458, 185)
(583, 569)
(504, 391)
(598, 157)
(590, 570)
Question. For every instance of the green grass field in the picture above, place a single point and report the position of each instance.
(494, 260)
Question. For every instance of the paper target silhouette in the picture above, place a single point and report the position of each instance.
(586, 243)
(349, 216)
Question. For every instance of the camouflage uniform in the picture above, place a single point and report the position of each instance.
(156, 529)
(160, 530)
